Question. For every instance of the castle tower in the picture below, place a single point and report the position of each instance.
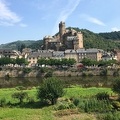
(80, 39)
(61, 30)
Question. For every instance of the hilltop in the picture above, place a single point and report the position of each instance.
(105, 41)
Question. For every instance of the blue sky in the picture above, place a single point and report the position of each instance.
(33, 19)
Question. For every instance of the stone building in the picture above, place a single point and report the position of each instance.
(79, 54)
(117, 54)
(33, 57)
(93, 54)
(65, 39)
(10, 53)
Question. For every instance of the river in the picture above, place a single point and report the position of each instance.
(91, 81)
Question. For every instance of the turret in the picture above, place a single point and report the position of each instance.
(61, 30)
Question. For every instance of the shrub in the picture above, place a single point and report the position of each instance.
(0, 69)
(51, 89)
(94, 105)
(69, 75)
(116, 73)
(110, 116)
(84, 74)
(20, 96)
(116, 104)
(116, 87)
(27, 70)
(7, 76)
(45, 69)
(30, 99)
(90, 74)
(48, 74)
(76, 101)
(102, 96)
(104, 72)
(2, 102)
(65, 105)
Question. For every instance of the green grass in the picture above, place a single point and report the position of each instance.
(73, 91)
(76, 91)
(26, 114)
(7, 92)
(45, 113)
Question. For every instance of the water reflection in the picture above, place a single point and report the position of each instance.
(96, 81)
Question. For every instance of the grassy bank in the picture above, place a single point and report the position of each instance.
(36, 112)
(72, 91)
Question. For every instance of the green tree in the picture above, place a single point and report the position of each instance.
(21, 61)
(116, 87)
(22, 47)
(51, 89)
(71, 61)
(88, 62)
(41, 61)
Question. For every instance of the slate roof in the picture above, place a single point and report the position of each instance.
(40, 54)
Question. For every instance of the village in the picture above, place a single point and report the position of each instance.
(68, 44)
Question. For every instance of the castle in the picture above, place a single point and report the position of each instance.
(65, 39)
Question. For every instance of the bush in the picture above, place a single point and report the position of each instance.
(116, 105)
(76, 101)
(90, 74)
(0, 69)
(84, 74)
(20, 96)
(110, 116)
(104, 72)
(50, 90)
(27, 70)
(64, 105)
(2, 102)
(30, 99)
(69, 75)
(116, 87)
(94, 105)
(102, 96)
(45, 69)
(116, 73)
(48, 74)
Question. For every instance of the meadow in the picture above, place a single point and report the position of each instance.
(34, 111)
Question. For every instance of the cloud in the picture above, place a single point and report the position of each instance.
(93, 20)
(66, 12)
(96, 21)
(115, 29)
(8, 17)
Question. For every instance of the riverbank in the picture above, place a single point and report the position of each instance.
(33, 111)
(41, 72)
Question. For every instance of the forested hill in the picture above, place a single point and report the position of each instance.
(99, 40)
(111, 35)
(105, 41)
(26, 43)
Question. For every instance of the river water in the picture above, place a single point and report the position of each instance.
(90, 81)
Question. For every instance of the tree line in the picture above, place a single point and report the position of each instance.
(89, 62)
(40, 62)
(18, 61)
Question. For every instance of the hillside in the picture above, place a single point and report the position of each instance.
(26, 43)
(95, 40)
(111, 35)
(105, 41)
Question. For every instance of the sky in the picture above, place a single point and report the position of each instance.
(34, 19)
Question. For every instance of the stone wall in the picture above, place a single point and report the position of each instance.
(37, 73)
